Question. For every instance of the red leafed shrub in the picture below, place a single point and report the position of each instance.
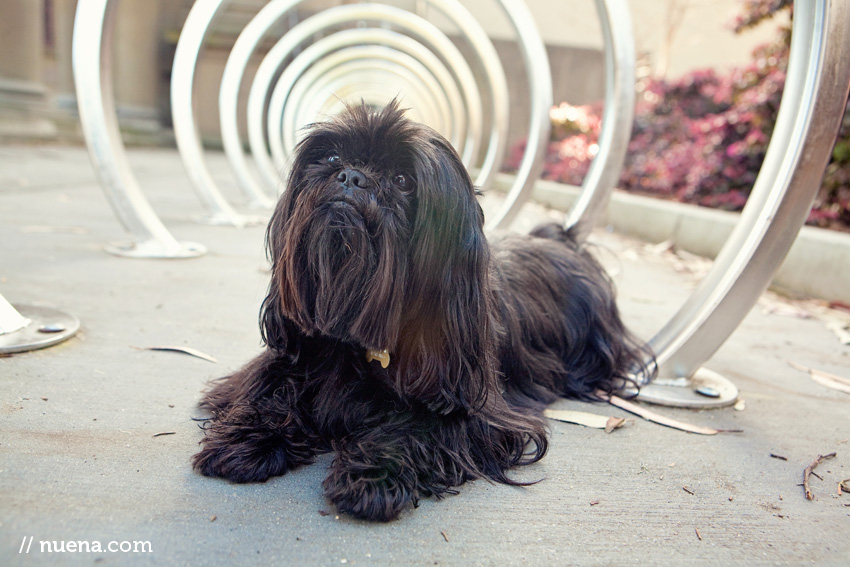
(702, 138)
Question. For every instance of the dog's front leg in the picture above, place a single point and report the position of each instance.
(399, 459)
(373, 477)
(258, 427)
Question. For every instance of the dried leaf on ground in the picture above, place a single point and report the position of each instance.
(824, 378)
(184, 350)
(586, 419)
(660, 419)
(614, 423)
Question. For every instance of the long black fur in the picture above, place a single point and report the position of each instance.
(378, 243)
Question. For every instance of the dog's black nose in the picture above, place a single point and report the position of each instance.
(352, 178)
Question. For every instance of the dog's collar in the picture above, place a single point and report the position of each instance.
(381, 356)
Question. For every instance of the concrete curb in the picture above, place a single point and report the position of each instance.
(818, 264)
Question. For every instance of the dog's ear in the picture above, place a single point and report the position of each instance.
(446, 343)
(278, 332)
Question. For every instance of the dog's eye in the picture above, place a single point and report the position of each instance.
(332, 157)
(402, 181)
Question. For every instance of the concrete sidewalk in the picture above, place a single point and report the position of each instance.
(80, 459)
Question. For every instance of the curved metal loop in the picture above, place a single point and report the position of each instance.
(540, 84)
(442, 107)
(228, 96)
(433, 38)
(357, 77)
(816, 91)
(296, 83)
(251, 35)
(92, 65)
(368, 67)
(496, 80)
(406, 78)
(617, 118)
(183, 117)
(268, 68)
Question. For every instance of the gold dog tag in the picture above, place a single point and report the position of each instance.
(381, 356)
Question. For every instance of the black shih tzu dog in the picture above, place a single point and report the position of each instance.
(399, 338)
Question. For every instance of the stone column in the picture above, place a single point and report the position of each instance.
(136, 66)
(23, 95)
(65, 97)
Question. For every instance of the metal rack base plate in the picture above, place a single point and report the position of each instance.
(706, 389)
(47, 327)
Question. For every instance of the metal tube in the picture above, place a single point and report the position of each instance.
(10, 319)
(228, 96)
(617, 117)
(183, 115)
(495, 74)
(539, 127)
(389, 72)
(422, 29)
(313, 61)
(265, 73)
(92, 65)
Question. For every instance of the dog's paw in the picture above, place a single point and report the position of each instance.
(379, 498)
(370, 482)
(241, 462)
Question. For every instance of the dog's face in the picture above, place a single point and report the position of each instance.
(378, 240)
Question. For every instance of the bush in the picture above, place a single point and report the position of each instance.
(702, 138)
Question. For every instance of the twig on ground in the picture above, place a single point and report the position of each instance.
(808, 472)
(659, 419)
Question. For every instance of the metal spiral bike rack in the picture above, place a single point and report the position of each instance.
(374, 52)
